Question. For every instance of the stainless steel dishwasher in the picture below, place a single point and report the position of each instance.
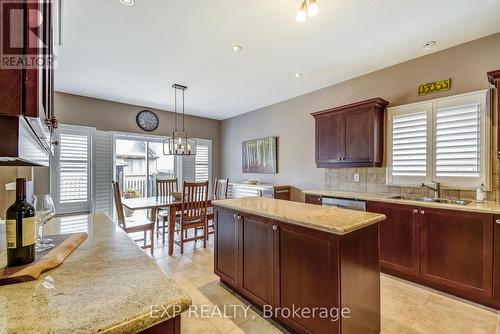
(344, 203)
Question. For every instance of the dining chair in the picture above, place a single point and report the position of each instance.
(193, 213)
(164, 188)
(220, 192)
(131, 226)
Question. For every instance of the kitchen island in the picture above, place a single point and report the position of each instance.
(313, 269)
(107, 285)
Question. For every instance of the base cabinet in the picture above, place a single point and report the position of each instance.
(226, 247)
(399, 237)
(448, 250)
(280, 266)
(256, 259)
(457, 250)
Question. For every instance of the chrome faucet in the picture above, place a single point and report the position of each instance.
(436, 189)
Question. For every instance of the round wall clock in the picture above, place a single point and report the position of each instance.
(147, 120)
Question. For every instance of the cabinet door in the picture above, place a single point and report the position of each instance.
(256, 259)
(313, 199)
(359, 136)
(399, 237)
(457, 250)
(330, 136)
(226, 246)
(308, 276)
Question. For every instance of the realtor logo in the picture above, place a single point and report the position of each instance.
(23, 41)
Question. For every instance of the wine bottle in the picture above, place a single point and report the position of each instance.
(20, 229)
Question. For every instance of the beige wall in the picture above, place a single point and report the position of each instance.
(465, 64)
(112, 116)
(8, 175)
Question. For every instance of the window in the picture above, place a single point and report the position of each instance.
(71, 169)
(446, 140)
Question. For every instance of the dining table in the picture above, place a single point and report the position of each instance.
(155, 203)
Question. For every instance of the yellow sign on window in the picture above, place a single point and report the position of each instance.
(433, 87)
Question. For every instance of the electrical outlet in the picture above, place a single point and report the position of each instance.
(356, 177)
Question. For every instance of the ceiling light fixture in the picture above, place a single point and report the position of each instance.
(180, 143)
(298, 75)
(307, 8)
(312, 8)
(430, 45)
(302, 14)
(236, 48)
(127, 2)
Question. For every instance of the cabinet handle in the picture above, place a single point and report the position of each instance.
(275, 227)
(497, 221)
(422, 212)
(415, 211)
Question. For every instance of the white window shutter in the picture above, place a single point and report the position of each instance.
(71, 170)
(458, 145)
(103, 172)
(409, 144)
(202, 160)
(188, 168)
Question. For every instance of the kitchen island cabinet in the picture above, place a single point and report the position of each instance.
(293, 255)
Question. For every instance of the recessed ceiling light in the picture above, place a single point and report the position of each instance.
(127, 2)
(298, 75)
(429, 45)
(236, 48)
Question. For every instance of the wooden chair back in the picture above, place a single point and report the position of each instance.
(166, 187)
(118, 203)
(195, 201)
(220, 188)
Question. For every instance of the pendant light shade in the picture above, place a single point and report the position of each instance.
(180, 143)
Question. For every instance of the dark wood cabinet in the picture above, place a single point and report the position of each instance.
(313, 199)
(494, 79)
(26, 92)
(496, 260)
(256, 258)
(351, 135)
(457, 250)
(306, 259)
(448, 250)
(285, 266)
(226, 246)
(399, 237)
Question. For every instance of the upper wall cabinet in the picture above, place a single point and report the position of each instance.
(351, 135)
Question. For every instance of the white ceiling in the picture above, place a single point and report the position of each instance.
(134, 54)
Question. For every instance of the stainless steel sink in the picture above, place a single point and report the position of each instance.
(461, 202)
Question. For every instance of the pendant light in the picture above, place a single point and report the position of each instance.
(307, 8)
(180, 143)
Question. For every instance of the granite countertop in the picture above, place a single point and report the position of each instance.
(332, 220)
(485, 207)
(106, 285)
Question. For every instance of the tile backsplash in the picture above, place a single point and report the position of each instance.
(373, 180)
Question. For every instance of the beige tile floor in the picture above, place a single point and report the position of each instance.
(407, 308)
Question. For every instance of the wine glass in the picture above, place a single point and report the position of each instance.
(44, 212)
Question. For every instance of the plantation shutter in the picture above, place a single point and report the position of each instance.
(201, 170)
(103, 172)
(409, 144)
(198, 168)
(458, 146)
(71, 170)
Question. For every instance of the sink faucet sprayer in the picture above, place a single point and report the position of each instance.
(436, 189)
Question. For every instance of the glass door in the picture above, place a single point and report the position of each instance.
(159, 166)
(131, 167)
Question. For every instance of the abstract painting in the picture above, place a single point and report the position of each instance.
(260, 155)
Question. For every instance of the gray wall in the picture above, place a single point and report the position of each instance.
(291, 121)
(112, 116)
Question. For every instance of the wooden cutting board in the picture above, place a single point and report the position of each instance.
(44, 261)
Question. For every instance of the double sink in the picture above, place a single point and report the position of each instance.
(461, 202)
